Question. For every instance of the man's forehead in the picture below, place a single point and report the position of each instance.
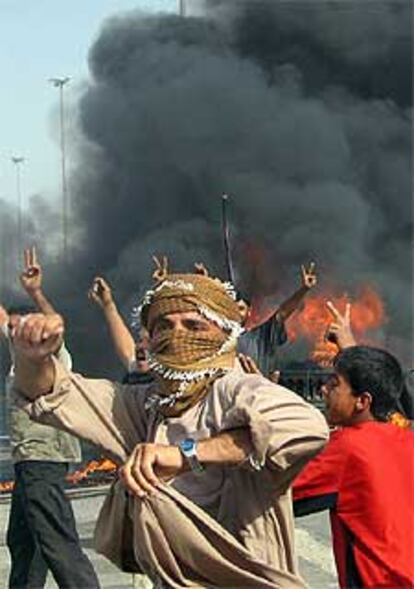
(185, 315)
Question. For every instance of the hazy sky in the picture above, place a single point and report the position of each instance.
(42, 39)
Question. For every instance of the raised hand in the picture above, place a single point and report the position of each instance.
(248, 364)
(37, 336)
(275, 376)
(339, 331)
(199, 268)
(309, 278)
(161, 269)
(100, 292)
(31, 277)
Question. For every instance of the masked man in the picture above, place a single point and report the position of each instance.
(208, 452)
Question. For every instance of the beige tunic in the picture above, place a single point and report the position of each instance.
(244, 535)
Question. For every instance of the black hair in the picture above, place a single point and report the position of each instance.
(407, 396)
(375, 371)
(242, 295)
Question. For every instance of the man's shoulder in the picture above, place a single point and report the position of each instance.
(237, 376)
(237, 381)
(348, 436)
(363, 440)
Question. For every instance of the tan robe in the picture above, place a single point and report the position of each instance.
(228, 527)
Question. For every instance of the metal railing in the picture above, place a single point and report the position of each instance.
(306, 383)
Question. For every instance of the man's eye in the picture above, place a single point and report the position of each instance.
(195, 326)
(162, 326)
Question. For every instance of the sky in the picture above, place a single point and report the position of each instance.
(41, 39)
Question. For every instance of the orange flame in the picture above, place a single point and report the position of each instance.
(400, 420)
(367, 314)
(6, 486)
(103, 465)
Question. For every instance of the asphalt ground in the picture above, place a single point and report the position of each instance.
(312, 538)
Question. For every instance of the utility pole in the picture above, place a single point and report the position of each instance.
(182, 7)
(17, 161)
(60, 84)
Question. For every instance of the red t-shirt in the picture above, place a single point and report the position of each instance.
(365, 476)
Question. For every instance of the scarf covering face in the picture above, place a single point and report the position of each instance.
(187, 363)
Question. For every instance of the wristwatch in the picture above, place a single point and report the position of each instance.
(188, 449)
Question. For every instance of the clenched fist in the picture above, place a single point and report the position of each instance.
(37, 336)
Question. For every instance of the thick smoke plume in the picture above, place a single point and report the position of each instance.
(301, 111)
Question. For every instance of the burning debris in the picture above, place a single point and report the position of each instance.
(368, 319)
(6, 486)
(95, 472)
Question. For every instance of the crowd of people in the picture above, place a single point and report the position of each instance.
(214, 456)
(41, 534)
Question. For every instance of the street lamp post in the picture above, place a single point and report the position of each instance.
(17, 161)
(182, 7)
(60, 84)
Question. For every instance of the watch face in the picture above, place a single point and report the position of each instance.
(187, 445)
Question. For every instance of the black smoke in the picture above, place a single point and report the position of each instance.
(301, 111)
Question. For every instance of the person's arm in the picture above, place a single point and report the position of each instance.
(309, 280)
(4, 321)
(31, 279)
(123, 342)
(317, 486)
(102, 412)
(149, 464)
(277, 432)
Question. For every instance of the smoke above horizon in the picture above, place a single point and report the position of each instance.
(300, 111)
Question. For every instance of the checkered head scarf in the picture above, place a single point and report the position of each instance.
(187, 363)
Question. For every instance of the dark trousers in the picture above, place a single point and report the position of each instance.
(42, 531)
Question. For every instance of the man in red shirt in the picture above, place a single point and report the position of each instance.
(365, 475)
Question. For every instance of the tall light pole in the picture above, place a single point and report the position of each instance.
(17, 161)
(60, 84)
(182, 7)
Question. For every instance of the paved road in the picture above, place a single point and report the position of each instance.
(312, 536)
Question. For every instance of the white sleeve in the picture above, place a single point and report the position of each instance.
(64, 357)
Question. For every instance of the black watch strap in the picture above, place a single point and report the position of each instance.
(188, 449)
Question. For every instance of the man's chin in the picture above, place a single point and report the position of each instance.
(335, 422)
(332, 422)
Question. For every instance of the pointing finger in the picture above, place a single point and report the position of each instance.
(157, 262)
(334, 311)
(26, 258)
(34, 257)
